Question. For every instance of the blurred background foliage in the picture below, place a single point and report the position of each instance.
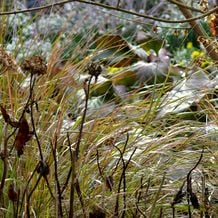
(38, 30)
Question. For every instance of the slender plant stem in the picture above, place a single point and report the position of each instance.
(59, 201)
(33, 122)
(10, 91)
(25, 190)
(71, 166)
(30, 194)
(73, 175)
(5, 158)
(156, 197)
(5, 166)
(86, 89)
(79, 193)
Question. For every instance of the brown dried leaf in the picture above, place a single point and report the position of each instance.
(7, 118)
(194, 200)
(22, 136)
(5, 114)
(179, 197)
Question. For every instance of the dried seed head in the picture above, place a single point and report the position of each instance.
(43, 168)
(194, 200)
(179, 197)
(12, 194)
(94, 70)
(97, 212)
(7, 61)
(35, 65)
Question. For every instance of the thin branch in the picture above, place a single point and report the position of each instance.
(123, 178)
(116, 209)
(111, 8)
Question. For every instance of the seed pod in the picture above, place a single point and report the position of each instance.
(12, 194)
(194, 200)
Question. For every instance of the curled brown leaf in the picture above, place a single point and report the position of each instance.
(23, 136)
(7, 118)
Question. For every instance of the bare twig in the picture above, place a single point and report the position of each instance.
(116, 210)
(122, 178)
(112, 8)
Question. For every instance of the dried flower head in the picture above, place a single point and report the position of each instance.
(12, 194)
(35, 65)
(7, 61)
(94, 70)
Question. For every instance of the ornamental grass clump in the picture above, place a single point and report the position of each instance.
(151, 153)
